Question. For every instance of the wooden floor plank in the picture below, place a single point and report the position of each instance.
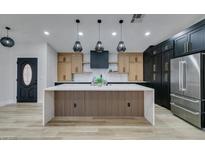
(24, 121)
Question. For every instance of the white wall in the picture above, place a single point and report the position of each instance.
(29, 51)
(47, 60)
(5, 94)
(51, 66)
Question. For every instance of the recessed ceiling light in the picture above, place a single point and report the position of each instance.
(114, 33)
(80, 33)
(46, 33)
(147, 33)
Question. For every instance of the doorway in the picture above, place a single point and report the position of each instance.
(27, 79)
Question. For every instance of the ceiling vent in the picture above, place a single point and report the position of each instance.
(137, 18)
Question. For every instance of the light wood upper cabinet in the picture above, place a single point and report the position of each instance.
(64, 71)
(131, 63)
(123, 63)
(77, 60)
(64, 58)
(136, 72)
(69, 63)
(136, 58)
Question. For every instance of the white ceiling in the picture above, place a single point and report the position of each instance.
(62, 28)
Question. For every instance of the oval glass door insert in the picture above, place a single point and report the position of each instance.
(27, 74)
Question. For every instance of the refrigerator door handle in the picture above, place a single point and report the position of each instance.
(193, 101)
(180, 76)
(183, 75)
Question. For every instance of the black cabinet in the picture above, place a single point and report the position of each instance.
(156, 74)
(168, 45)
(191, 42)
(196, 40)
(181, 45)
(147, 63)
(156, 50)
(165, 89)
(157, 71)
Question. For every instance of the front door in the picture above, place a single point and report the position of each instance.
(27, 79)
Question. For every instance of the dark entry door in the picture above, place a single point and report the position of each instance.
(27, 79)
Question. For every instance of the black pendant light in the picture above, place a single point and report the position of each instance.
(121, 45)
(99, 46)
(7, 41)
(77, 46)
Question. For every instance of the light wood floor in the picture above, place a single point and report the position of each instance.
(23, 121)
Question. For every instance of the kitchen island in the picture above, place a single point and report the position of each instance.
(116, 100)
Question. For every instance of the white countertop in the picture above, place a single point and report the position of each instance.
(88, 87)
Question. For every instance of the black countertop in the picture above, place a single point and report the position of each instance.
(81, 82)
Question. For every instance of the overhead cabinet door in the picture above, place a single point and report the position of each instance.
(191, 42)
(64, 71)
(181, 45)
(77, 60)
(123, 65)
(196, 40)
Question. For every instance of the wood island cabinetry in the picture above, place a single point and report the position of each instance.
(98, 103)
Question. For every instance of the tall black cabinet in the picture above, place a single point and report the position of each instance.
(156, 73)
(157, 63)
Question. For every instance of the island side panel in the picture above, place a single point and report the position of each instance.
(149, 110)
(48, 106)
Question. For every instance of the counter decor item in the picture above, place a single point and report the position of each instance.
(98, 81)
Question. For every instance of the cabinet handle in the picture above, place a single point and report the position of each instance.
(64, 59)
(123, 69)
(166, 66)
(166, 77)
(154, 68)
(64, 77)
(187, 47)
(128, 104)
(154, 77)
(166, 47)
(75, 105)
(76, 69)
(190, 46)
(136, 59)
(136, 77)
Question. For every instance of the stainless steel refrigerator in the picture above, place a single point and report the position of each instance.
(187, 88)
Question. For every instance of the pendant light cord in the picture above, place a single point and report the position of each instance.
(121, 31)
(77, 33)
(99, 31)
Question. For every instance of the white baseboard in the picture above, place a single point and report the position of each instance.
(7, 102)
(11, 101)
